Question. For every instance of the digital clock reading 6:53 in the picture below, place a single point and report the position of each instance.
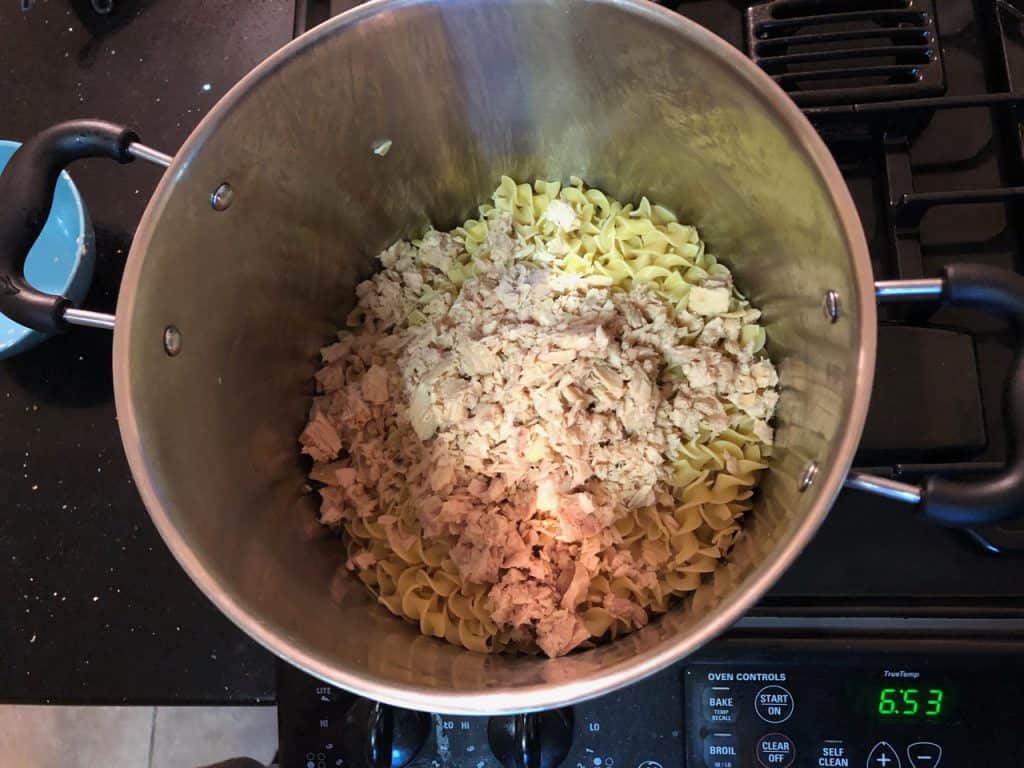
(917, 703)
(920, 700)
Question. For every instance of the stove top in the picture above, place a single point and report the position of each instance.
(915, 101)
(858, 653)
(925, 128)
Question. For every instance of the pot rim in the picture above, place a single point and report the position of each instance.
(827, 484)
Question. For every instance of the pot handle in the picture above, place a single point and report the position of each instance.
(26, 188)
(967, 503)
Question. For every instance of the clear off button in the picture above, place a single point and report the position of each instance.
(720, 751)
(775, 750)
(719, 704)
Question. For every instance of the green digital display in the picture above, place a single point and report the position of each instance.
(910, 703)
(910, 696)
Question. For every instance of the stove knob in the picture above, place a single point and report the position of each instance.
(536, 740)
(375, 735)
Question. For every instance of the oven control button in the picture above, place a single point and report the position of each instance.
(719, 704)
(720, 751)
(882, 755)
(924, 754)
(774, 704)
(775, 750)
(833, 754)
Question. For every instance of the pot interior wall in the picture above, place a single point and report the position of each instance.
(634, 101)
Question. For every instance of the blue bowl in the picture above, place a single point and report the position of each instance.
(60, 262)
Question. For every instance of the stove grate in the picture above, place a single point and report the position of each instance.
(840, 51)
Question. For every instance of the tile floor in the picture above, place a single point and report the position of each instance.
(134, 737)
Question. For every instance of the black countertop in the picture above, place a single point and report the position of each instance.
(94, 607)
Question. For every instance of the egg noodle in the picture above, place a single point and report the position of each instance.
(544, 427)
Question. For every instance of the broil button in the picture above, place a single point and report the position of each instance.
(720, 751)
(775, 750)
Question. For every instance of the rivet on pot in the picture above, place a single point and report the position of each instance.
(807, 479)
(222, 197)
(172, 341)
(832, 306)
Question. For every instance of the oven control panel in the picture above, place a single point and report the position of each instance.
(876, 711)
(756, 705)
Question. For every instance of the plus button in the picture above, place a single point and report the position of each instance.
(883, 756)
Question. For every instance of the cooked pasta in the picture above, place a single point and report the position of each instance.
(544, 428)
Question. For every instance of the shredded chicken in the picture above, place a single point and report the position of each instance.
(516, 419)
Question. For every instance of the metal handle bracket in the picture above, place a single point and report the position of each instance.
(967, 503)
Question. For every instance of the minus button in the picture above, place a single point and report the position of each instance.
(924, 754)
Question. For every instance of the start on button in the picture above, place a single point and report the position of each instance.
(775, 750)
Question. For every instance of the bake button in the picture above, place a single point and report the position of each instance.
(720, 751)
(774, 704)
(775, 750)
(719, 704)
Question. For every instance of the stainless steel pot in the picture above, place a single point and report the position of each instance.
(247, 256)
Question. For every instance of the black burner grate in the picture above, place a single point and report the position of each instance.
(839, 51)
